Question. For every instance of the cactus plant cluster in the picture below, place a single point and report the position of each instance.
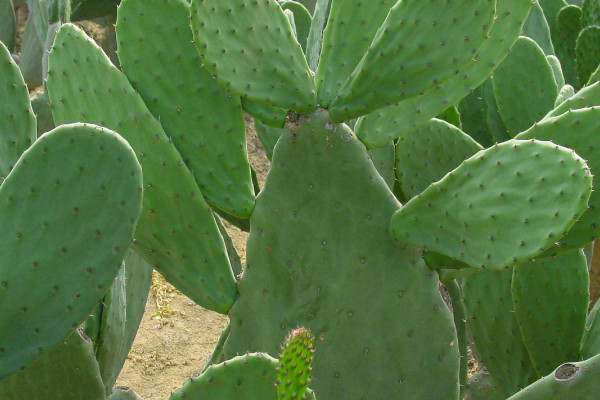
(413, 144)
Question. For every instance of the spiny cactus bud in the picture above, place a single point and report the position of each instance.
(295, 359)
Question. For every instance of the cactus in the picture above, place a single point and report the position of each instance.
(100, 208)
(331, 247)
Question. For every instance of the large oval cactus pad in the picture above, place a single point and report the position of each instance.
(319, 256)
(479, 213)
(68, 212)
(177, 233)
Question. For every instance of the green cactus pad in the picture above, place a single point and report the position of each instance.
(247, 377)
(295, 360)
(524, 98)
(577, 130)
(451, 116)
(427, 153)
(568, 28)
(587, 52)
(234, 258)
(318, 246)
(590, 345)
(446, 35)
(551, 9)
(177, 233)
(259, 57)
(536, 286)
(68, 371)
(494, 330)
(84, 184)
(160, 60)
(352, 22)
(17, 121)
(471, 214)
(389, 122)
(570, 381)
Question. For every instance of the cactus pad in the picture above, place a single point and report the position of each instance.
(318, 246)
(470, 215)
(56, 263)
(259, 58)
(247, 377)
